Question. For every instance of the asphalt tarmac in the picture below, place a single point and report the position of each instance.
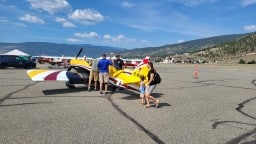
(217, 108)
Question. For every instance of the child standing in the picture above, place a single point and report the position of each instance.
(142, 89)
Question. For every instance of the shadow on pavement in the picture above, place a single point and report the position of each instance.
(64, 90)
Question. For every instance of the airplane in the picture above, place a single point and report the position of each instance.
(79, 71)
(131, 63)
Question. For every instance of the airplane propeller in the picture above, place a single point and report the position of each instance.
(79, 53)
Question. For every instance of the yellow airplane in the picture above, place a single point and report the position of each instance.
(79, 71)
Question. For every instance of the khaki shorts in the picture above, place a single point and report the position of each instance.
(103, 77)
(94, 75)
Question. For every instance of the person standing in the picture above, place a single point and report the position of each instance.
(84, 58)
(118, 63)
(150, 86)
(103, 66)
(94, 74)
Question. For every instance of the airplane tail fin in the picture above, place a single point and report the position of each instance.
(142, 69)
(114, 72)
(145, 61)
(111, 70)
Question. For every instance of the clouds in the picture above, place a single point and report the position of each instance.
(73, 40)
(32, 19)
(3, 20)
(116, 38)
(106, 37)
(250, 28)
(79, 16)
(50, 6)
(194, 3)
(127, 4)
(87, 35)
(65, 23)
(247, 2)
(86, 16)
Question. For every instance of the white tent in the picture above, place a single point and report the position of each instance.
(16, 52)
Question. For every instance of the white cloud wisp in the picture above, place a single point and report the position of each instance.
(32, 19)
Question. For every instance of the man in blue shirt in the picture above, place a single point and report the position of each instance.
(103, 65)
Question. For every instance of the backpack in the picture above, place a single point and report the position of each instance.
(157, 78)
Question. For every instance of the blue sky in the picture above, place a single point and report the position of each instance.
(126, 24)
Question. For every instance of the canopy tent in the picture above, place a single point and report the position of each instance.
(17, 53)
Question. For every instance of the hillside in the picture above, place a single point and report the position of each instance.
(241, 48)
(185, 47)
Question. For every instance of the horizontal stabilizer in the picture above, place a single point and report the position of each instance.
(51, 75)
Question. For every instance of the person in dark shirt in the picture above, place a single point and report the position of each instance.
(118, 63)
(150, 86)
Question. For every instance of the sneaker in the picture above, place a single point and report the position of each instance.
(95, 89)
(106, 92)
(89, 89)
(101, 92)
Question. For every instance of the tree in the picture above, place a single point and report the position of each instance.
(242, 61)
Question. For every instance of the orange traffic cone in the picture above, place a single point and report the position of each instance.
(196, 72)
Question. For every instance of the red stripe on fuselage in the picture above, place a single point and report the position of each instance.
(52, 76)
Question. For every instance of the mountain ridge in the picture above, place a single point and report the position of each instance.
(185, 47)
(58, 49)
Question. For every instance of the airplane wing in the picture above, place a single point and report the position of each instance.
(126, 78)
(122, 76)
(51, 75)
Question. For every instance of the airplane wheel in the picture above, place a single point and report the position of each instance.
(69, 85)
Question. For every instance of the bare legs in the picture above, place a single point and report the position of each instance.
(106, 87)
(95, 85)
(147, 97)
(101, 83)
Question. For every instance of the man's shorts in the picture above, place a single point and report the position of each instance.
(103, 77)
(149, 89)
(94, 75)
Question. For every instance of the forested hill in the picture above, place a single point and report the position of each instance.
(185, 47)
(231, 50)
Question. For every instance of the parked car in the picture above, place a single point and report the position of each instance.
(16, 61)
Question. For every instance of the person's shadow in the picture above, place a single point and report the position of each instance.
(132, 96)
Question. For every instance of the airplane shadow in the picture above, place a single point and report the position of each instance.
(64, 90)
(21, 104)
(129, 95)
